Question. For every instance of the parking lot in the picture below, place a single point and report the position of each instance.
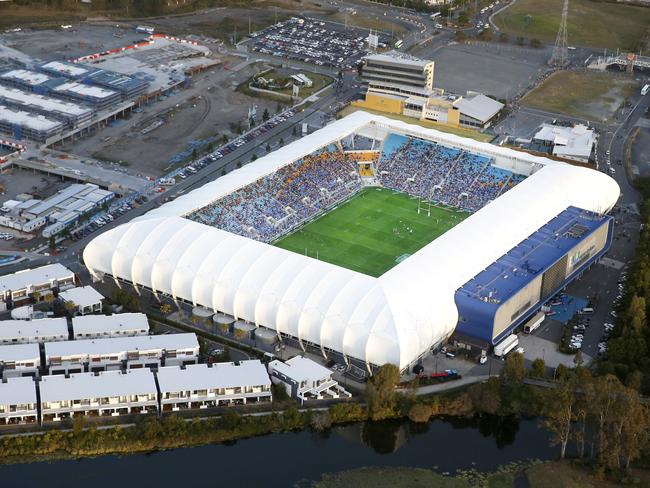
(501, 70)
(313, 41)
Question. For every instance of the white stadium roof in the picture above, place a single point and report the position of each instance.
(393, 318)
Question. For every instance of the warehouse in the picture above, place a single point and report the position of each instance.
(28, 331)
(116, 325)
(222, 384)
(18, 403)
(116, 353)
(19, 288)
(69, 113)
(19, 360)
(109, 393)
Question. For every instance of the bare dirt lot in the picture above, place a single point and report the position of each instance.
(209, 106)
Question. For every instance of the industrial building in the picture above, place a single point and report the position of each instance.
(305, 379)
(19, 360)
(29, 80)
(109, 393)
(401, 315)
(18, 403)
(56, 212)
(19, 288)
(117, 353)
(222, 384)
(85, 299)
(31, 331)
(116, 325)
(73, 71)
(129, 87)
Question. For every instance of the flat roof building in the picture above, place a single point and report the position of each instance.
(116, 325)
(576, 143)
(400, 68)
(110, 393)
(305, 379)
(18, 401)
(32, 80)
(69, 70)
(201, 386)
(28, 331)
(20, 124)
(19, 287)
(98, 97)
(19, 360)
(115, 353)
(128, 86)
(86, 299)
(70, 113)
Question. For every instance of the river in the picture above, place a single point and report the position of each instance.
(284, 459)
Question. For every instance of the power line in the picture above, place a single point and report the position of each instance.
(560, 54)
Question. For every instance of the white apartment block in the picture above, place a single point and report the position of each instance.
(116, 353)
(116, 325)
(19, 288)
(28, 331)
(305, 379)
(18, 401)
(201, 386)
(86, 299)
(19, 360)
(110, 393)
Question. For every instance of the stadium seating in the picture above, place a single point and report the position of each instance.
(449, 176)
(273, 205)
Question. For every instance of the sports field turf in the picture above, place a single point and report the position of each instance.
(371, 231)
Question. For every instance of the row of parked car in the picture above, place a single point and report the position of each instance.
(5, 236)
(311, 41)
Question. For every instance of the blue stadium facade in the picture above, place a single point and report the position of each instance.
(512, 289)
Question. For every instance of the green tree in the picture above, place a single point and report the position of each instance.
(380, 391)
(420, 413)
(265, 115)
(577, 359)
(513, 371)
(165, 309)
(51, 243)
(559, 413)
(463, 18)
(535, 43)
(538, 368)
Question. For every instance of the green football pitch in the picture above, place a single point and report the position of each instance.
(371, 232)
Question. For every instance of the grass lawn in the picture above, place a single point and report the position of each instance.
(319, 82)
(472, 134)
(369, 232)
(588, 95)
(590, 23)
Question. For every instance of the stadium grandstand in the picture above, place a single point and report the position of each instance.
(371, 240)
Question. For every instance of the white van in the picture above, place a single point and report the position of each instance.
(586, 311)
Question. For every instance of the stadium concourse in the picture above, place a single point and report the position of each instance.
(529, 226)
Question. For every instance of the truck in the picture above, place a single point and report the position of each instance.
(506, 345)
(534, 322)
(645, 89)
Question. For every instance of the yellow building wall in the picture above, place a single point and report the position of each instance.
(375, 101)
(453, 117)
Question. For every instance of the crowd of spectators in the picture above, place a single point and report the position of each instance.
(276, 203)
(449, 176)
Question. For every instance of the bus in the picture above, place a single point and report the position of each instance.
(399, 44)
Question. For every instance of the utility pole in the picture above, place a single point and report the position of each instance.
(560, 56)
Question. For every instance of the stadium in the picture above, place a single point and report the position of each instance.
(371, 241)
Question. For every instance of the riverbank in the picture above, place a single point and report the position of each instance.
(535, 474)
